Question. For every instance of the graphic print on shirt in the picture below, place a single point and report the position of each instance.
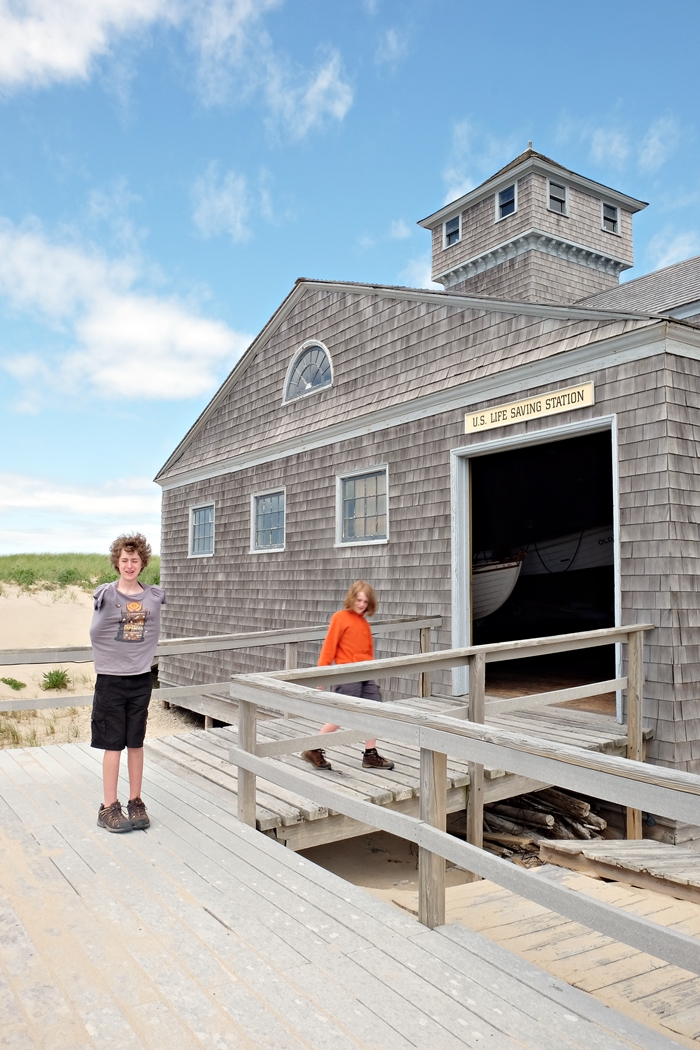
(132, 626)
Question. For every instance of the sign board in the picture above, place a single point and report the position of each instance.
(533, 408)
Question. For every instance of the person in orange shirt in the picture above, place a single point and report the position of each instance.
(349, 640)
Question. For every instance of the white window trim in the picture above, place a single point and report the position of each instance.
(502, 218)
(339, 479)
(613, 233)
(190, 531)
(444, 231)
(566, 197)
(253, 497)
(290, 369)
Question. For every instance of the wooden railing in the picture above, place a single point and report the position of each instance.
(627, 781)
(198, 697)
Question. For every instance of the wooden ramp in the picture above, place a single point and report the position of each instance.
(673, 870)
(203, 933)
(653, 992)
(301, 824)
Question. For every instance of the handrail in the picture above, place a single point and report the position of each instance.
(631, 783)
(215, 642)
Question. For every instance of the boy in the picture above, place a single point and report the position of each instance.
(124, 634)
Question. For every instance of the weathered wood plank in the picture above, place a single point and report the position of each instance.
(635, 693)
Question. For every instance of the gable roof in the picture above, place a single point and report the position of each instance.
(529, 160)
(661, 292)
(414, 295)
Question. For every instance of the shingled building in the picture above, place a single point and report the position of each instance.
(536, 412)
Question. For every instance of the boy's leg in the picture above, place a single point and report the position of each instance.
(135, 764)
(110, 776)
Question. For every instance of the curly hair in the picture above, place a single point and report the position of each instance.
(134, 544)
(368, 590)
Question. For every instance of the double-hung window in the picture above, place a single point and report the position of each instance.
(557, 197)
(267, 521)
(452, 231)
(611, 219)
(505, 201)
(362, 512)
(201, 544)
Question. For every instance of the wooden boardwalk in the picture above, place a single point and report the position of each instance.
(301, 824)
(203, 933)
(653, 992)
(673, 870)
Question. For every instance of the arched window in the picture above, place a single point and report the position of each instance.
(309, 371)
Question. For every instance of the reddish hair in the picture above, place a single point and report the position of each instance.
(361, 586)
(134, 544)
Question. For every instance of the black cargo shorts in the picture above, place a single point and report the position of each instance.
(120, 710)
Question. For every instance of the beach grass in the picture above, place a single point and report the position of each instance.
(51, 571)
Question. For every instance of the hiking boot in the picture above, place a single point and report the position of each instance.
(112, 818)
(137, 814)
(373, 760)
(317, 758)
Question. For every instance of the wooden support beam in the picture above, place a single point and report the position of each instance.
(291, 662)
(208, 722)
(475, 798)
(433, 811)
(424, 688)
(635, 743)
(247, 717)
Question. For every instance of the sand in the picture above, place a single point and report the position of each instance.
(61, 617)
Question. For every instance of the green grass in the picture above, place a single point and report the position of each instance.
(34, 571)
(14, 684)
(58, 678)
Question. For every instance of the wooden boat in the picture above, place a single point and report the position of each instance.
(588, 549)
(493, 583)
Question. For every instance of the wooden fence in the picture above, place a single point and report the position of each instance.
(627, 781)
(199, 697)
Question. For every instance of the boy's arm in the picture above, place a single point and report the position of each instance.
(330, 644)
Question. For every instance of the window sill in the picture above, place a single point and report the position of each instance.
(208, 554)
(267, 550)
(363, 543)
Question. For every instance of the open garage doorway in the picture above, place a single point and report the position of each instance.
(542, 554)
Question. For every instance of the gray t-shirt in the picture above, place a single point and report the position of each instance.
(125, 629)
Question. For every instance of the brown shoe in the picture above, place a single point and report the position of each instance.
(317, 758)
(112, 818)
(373, 760)
(137, 814)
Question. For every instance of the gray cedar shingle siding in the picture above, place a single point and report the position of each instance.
(389, 351)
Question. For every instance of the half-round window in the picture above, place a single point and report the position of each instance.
(309, 371)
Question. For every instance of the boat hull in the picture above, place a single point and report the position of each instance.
(492, 585)
(588, 549)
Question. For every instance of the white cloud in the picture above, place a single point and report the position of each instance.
(59, 41)
(391, 49)
(417, 274)
(473, 157)
(37, 514)
(221, 204)
(609, 147)
(106, 325)
(659, 144)
(666, 247)
(399, 230)
(44, 41)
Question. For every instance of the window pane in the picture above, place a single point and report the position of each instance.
(269, 521)
(452, 230)
(364, 507)
(506, 201)
(312, 371)
(202, 530)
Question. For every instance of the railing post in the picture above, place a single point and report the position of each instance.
(433, 810)
(635, 693)
(475, 800)
(247, 716)
(291, 661)
(425, 647)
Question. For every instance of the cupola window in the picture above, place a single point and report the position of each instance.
(610, 218)
(557, 198)
(309, 371)
(506, 201)
(452, 231)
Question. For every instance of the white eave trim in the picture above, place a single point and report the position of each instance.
(561, 367)
(536, 164)
(533, 240)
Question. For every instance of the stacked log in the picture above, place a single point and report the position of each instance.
(513, 828)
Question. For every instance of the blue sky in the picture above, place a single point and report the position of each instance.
(168, 168)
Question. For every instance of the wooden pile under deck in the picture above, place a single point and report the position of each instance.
(301, 824)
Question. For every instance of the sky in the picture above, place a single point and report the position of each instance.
(169, 168)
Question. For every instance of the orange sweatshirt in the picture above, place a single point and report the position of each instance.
(349, 639)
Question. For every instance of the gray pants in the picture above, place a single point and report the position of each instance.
(363, 690)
